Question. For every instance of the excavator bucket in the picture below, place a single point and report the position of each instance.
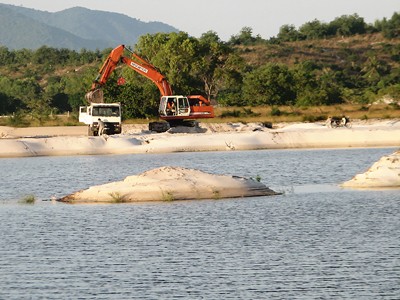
(95, 96)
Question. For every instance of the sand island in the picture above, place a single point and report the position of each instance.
(170, 184)
(385, 173)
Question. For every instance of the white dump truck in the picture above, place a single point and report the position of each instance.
(108, 113)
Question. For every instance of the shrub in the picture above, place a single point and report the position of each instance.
(248, 112)
(29, 199)
(234, 113)
(117, 197)
(313, 118)
(168, 196)
(216, 194)
(17, 120)
(276, 112)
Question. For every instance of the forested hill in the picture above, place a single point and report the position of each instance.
(73, 28)
(345, 61)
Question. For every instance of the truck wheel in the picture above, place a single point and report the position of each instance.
(92, 132)
(117, 130)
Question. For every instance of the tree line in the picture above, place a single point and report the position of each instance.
(49, 80)
(346, 25)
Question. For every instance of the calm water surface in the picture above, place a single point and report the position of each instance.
(316, 241)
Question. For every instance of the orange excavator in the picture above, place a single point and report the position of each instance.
(174, 109)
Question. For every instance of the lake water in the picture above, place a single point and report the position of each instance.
(316, 241)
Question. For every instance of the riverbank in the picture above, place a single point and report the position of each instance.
(48, 141)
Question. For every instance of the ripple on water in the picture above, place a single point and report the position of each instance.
(315, 241)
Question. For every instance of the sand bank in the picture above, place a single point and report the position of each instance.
(170, 184)
(385, 173)
(212, 137)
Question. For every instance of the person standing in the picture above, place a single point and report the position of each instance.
(100, 127)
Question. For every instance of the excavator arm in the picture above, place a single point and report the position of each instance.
(136, 63)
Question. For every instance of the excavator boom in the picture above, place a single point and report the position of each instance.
(151, 73)
(117, 57)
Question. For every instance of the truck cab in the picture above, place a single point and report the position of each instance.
(109, 113)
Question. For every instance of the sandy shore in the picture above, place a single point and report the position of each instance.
(47, 141)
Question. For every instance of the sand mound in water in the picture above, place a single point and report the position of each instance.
(168, 184)
(385, 173)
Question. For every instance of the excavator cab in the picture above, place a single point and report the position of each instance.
(172, 107)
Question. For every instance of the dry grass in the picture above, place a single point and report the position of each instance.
(296, 114)
(260, 114)
(328, 51)
(54, 120)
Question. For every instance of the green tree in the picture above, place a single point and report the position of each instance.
(392, 91)
(30, 93)
(306, 83)
(8, 104)
(329, 90)
(212, 56)
(271, 84)
(230, 81)
(313, 30)
(348, 25)
(245, 37)
(55, 91)
(289, 33)
(174, 54)
(76, 86)
(23, 56)
(45, 55)
(374, 69)
(139, 99)
(6, 57)
(391, 28)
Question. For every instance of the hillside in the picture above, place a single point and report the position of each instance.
(73, 28)
(338, 52)
(358, 69)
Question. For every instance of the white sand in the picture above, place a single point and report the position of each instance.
(170, 184)
(176, 184)
(41, 141)
(385, 173)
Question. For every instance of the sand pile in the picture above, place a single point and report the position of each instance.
(385, 173)
(168, 184)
